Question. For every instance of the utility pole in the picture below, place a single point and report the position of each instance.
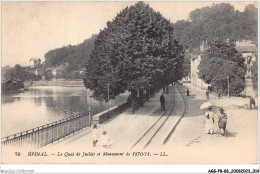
(228, 86)
(89, 115)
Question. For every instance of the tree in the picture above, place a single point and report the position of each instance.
(136, 51)
(74, 57)
(218, 22)
(20, 73)
(255, 74)
(220, 62)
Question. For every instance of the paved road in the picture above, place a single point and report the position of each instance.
(189, 143)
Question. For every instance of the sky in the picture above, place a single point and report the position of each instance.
(31, 29)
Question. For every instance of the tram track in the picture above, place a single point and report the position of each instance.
(149, 135)
(170, 134)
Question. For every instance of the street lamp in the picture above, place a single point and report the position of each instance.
(89, 109)
(228, 85)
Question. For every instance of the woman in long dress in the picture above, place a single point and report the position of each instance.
(209, 121)
(222, 121)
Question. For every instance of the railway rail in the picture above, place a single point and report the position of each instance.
(149, 135)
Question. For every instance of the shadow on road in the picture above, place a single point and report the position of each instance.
(230, 134)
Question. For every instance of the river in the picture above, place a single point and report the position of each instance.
(44, 104)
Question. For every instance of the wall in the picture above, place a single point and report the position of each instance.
(104, 116)
(195, 80)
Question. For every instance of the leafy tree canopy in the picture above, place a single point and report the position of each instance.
(20, 73)
(221, 62)
(136, 51)
(74, 56)
(218, 22)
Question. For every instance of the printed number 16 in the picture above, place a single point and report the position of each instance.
(17, 153)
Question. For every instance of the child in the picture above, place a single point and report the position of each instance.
(95, 135)
(105, 140)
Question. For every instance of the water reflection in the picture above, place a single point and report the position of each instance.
(41, 105)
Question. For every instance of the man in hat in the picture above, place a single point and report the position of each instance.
(222, 121)
(162, 100)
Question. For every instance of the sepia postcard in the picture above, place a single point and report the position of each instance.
(138, 82)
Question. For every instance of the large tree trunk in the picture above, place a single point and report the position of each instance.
(141, 98)
(134, 100)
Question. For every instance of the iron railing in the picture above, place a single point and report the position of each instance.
(48, 133)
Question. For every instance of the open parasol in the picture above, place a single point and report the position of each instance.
(206, 105)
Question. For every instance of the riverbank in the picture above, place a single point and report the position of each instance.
(63, 83)
(12, 87)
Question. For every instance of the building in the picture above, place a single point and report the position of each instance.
(35, 62)
(195, 61)
(37, 67)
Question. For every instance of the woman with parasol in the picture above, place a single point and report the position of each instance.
(209, 118)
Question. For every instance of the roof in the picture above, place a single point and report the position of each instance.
(247, 48)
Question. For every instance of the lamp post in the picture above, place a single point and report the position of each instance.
(228, 86)
(89, 115)
(89, 109)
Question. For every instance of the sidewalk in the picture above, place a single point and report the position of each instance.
(190, 144)
(123, 130)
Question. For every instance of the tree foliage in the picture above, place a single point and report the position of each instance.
(221, 62)
(20, 73)
(218, 22)
(73, 56)
(136, 51)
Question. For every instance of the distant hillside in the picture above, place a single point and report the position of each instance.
(74, 56)
(217, 22)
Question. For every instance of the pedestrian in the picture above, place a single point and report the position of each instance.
(104, 140)
(207, 94)
(95, 135)
(252, 102)
(222, 121)
(219, 94)
(188, 92)
(162, 100)
(209, 121)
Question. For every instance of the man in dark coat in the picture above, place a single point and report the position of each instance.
(162, 100)
(188, 92)
(207, 94)
(252, 102)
